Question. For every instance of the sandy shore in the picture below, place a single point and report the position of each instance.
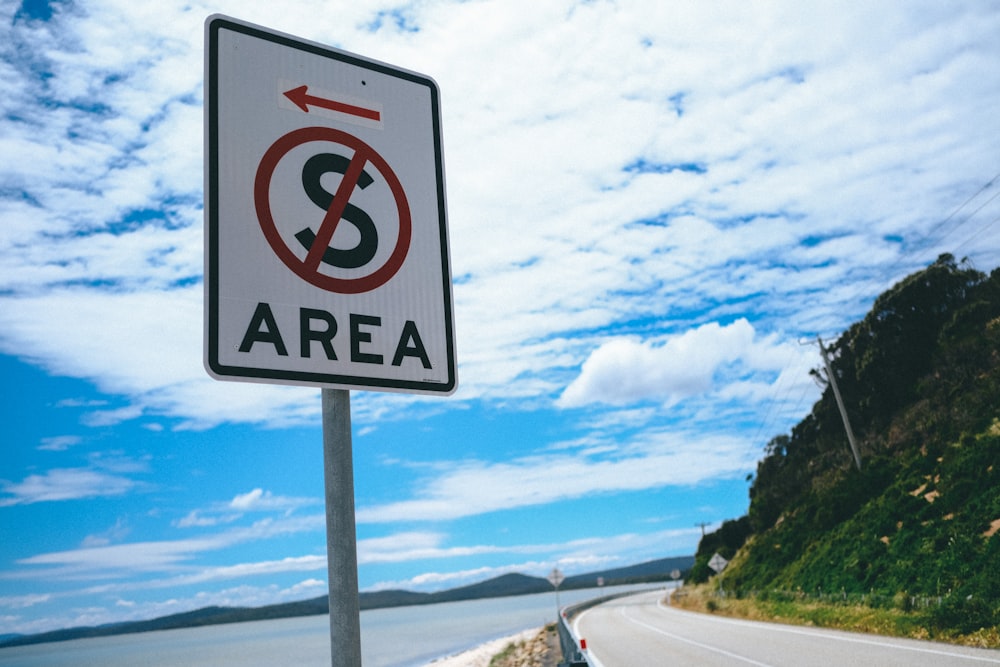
(482, 654)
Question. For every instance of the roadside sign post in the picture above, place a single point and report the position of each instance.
(326, 246)
(718, 563)
(341, 533)
(556, 577)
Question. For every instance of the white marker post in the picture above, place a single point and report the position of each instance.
(326, 245)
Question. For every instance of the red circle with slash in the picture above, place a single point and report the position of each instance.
(308, 268)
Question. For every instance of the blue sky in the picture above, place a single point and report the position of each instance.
(652, 206)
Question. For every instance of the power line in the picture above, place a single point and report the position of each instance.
(978, 192)
(980, 231)
(928, 240)
(920, 245)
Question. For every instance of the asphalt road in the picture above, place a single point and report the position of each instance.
(641, 630)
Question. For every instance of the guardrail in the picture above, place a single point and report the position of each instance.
(572, 651)
(574, 648)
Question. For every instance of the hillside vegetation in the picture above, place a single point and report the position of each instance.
(917, 529)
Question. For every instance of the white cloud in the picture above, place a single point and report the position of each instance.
(24, 601)
(121, 561)
(259, 500)
(61, 484)
(654, 460)
(115, 533)
(247, 500)
(246, 570)
(119, 558)
(148, 347)
(256, 500)
(59, 443)
(616, 164)
(411, 546)
(197, 519)
(626, 370)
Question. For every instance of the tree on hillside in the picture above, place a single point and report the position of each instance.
(920, 375)
(882, 357)
(878, 363)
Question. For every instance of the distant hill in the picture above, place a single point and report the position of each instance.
(502, 586)
(382, 599)
(520, 584)
(920, 376)
(654, 570)
(204, 616)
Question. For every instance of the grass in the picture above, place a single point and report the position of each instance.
(891, 621)
(506, 655)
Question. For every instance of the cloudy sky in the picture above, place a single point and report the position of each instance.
(653, 208)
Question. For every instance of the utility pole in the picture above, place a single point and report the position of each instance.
(840, 402)
(702, 524)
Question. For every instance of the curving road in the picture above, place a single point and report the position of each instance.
(643, 630)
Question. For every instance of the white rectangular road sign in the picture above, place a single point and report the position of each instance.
(326, 250)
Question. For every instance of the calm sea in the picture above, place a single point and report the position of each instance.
(398, 637)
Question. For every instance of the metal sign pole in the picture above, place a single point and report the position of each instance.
(264, 90)
(341, 538)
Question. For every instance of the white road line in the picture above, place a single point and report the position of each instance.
(706, 647)
(591, 658)
(595, 662)
(776, 627)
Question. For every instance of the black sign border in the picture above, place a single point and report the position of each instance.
(214, 25)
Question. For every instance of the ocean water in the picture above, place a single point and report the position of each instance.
(397, 637)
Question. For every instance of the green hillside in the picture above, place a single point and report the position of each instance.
(918, 527)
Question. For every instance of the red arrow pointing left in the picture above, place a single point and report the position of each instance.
(303, 100)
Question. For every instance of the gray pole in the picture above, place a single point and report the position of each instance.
(341, 538)
(840, 403)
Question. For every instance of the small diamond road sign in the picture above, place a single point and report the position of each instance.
(326, 253)
(718, 563)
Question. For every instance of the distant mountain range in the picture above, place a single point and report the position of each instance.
(502, 586)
